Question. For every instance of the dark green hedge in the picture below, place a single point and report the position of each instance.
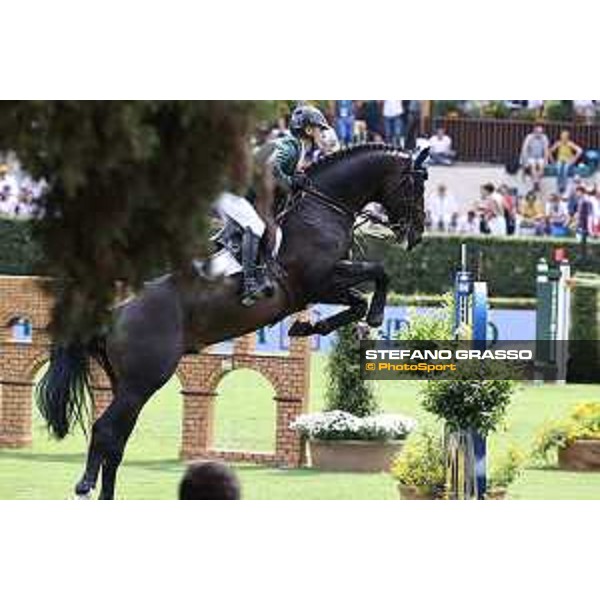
(18, 254)
(507, 264)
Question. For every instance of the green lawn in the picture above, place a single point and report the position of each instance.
(245, 417)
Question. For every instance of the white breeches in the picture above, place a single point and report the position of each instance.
(241, 211)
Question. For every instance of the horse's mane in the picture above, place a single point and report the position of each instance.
(353, 150)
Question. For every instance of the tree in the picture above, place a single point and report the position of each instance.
(130, 183)
(346, 390)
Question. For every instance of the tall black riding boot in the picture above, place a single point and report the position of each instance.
(256, 283)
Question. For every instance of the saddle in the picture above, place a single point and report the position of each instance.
(226, 261)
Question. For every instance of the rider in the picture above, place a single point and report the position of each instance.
(287, 156)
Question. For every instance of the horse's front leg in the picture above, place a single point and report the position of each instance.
(357, 306)
(354, 273)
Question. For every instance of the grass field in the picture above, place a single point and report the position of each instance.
(245, 419)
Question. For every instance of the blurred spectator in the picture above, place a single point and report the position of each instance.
(440, 147)
(469, 224)
(442, 210)
(509, 204)
(413, 116)
(373, 119)
(532, 216)
(575, 196)
(534, 154)
(492, 207)
(585, 109)
(9, 190)
(584, 217)
(344, 121)
(392, 121)
(360, 122)
(566, 154)
(557, 216)
(209, 480)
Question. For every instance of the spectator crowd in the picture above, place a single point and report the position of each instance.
(18, 191)
(572, 208)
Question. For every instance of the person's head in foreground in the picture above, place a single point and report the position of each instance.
(209, 480)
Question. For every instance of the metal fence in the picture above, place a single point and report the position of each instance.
(500, 140)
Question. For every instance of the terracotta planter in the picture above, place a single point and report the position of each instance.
(580, 455)
(411, 492)
(352, 455)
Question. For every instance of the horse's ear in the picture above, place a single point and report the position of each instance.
(421, 158)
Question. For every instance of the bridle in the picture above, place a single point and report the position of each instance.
(395, 226)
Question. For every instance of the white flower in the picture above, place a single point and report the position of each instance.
(337, 424)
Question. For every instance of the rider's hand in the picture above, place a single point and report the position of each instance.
(299, 182)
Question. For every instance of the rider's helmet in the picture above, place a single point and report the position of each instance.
(306, 116)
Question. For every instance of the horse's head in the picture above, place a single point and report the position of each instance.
(403, 197)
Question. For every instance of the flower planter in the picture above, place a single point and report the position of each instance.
(411, 492)
(580, 455)
(353, 455)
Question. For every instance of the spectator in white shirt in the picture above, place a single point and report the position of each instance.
(493, 210)
(440, 148)
(392, 121)
(442, 210)
(9, 190)
(469, 224)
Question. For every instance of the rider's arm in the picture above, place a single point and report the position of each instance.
(284, 165)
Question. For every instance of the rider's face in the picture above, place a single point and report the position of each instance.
(314, 134)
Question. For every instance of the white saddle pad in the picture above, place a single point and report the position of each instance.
(224, 264)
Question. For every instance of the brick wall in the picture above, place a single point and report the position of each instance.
(200, 375)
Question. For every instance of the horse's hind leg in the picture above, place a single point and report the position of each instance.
(109, 437)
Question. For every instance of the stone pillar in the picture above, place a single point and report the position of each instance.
(289, 449)
(198, 417)
(15, 413)
(101, 390)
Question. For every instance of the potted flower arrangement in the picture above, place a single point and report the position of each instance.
(351, 435)
(420, 470)
(504, 473)
(340, 441)
(576, 439)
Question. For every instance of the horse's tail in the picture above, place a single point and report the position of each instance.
(63, 394)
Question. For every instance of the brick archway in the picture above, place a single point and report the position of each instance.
(288, 373)
(199, 376)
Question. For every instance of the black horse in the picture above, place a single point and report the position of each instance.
(174, 315)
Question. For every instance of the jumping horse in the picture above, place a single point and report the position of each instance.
(174, 315)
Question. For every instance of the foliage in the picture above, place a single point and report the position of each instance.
(473, 399)
(434, 325)
(346, 390)
(18, 252)
(129, 187)
(339, 425)
(582, 423)
(507, 469)
(558, 110)
(422, 463)
(508, 264)
(443, 108)
(496, 109)
(584, 347)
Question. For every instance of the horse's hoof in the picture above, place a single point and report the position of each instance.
(87, 496)
(301, 329)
